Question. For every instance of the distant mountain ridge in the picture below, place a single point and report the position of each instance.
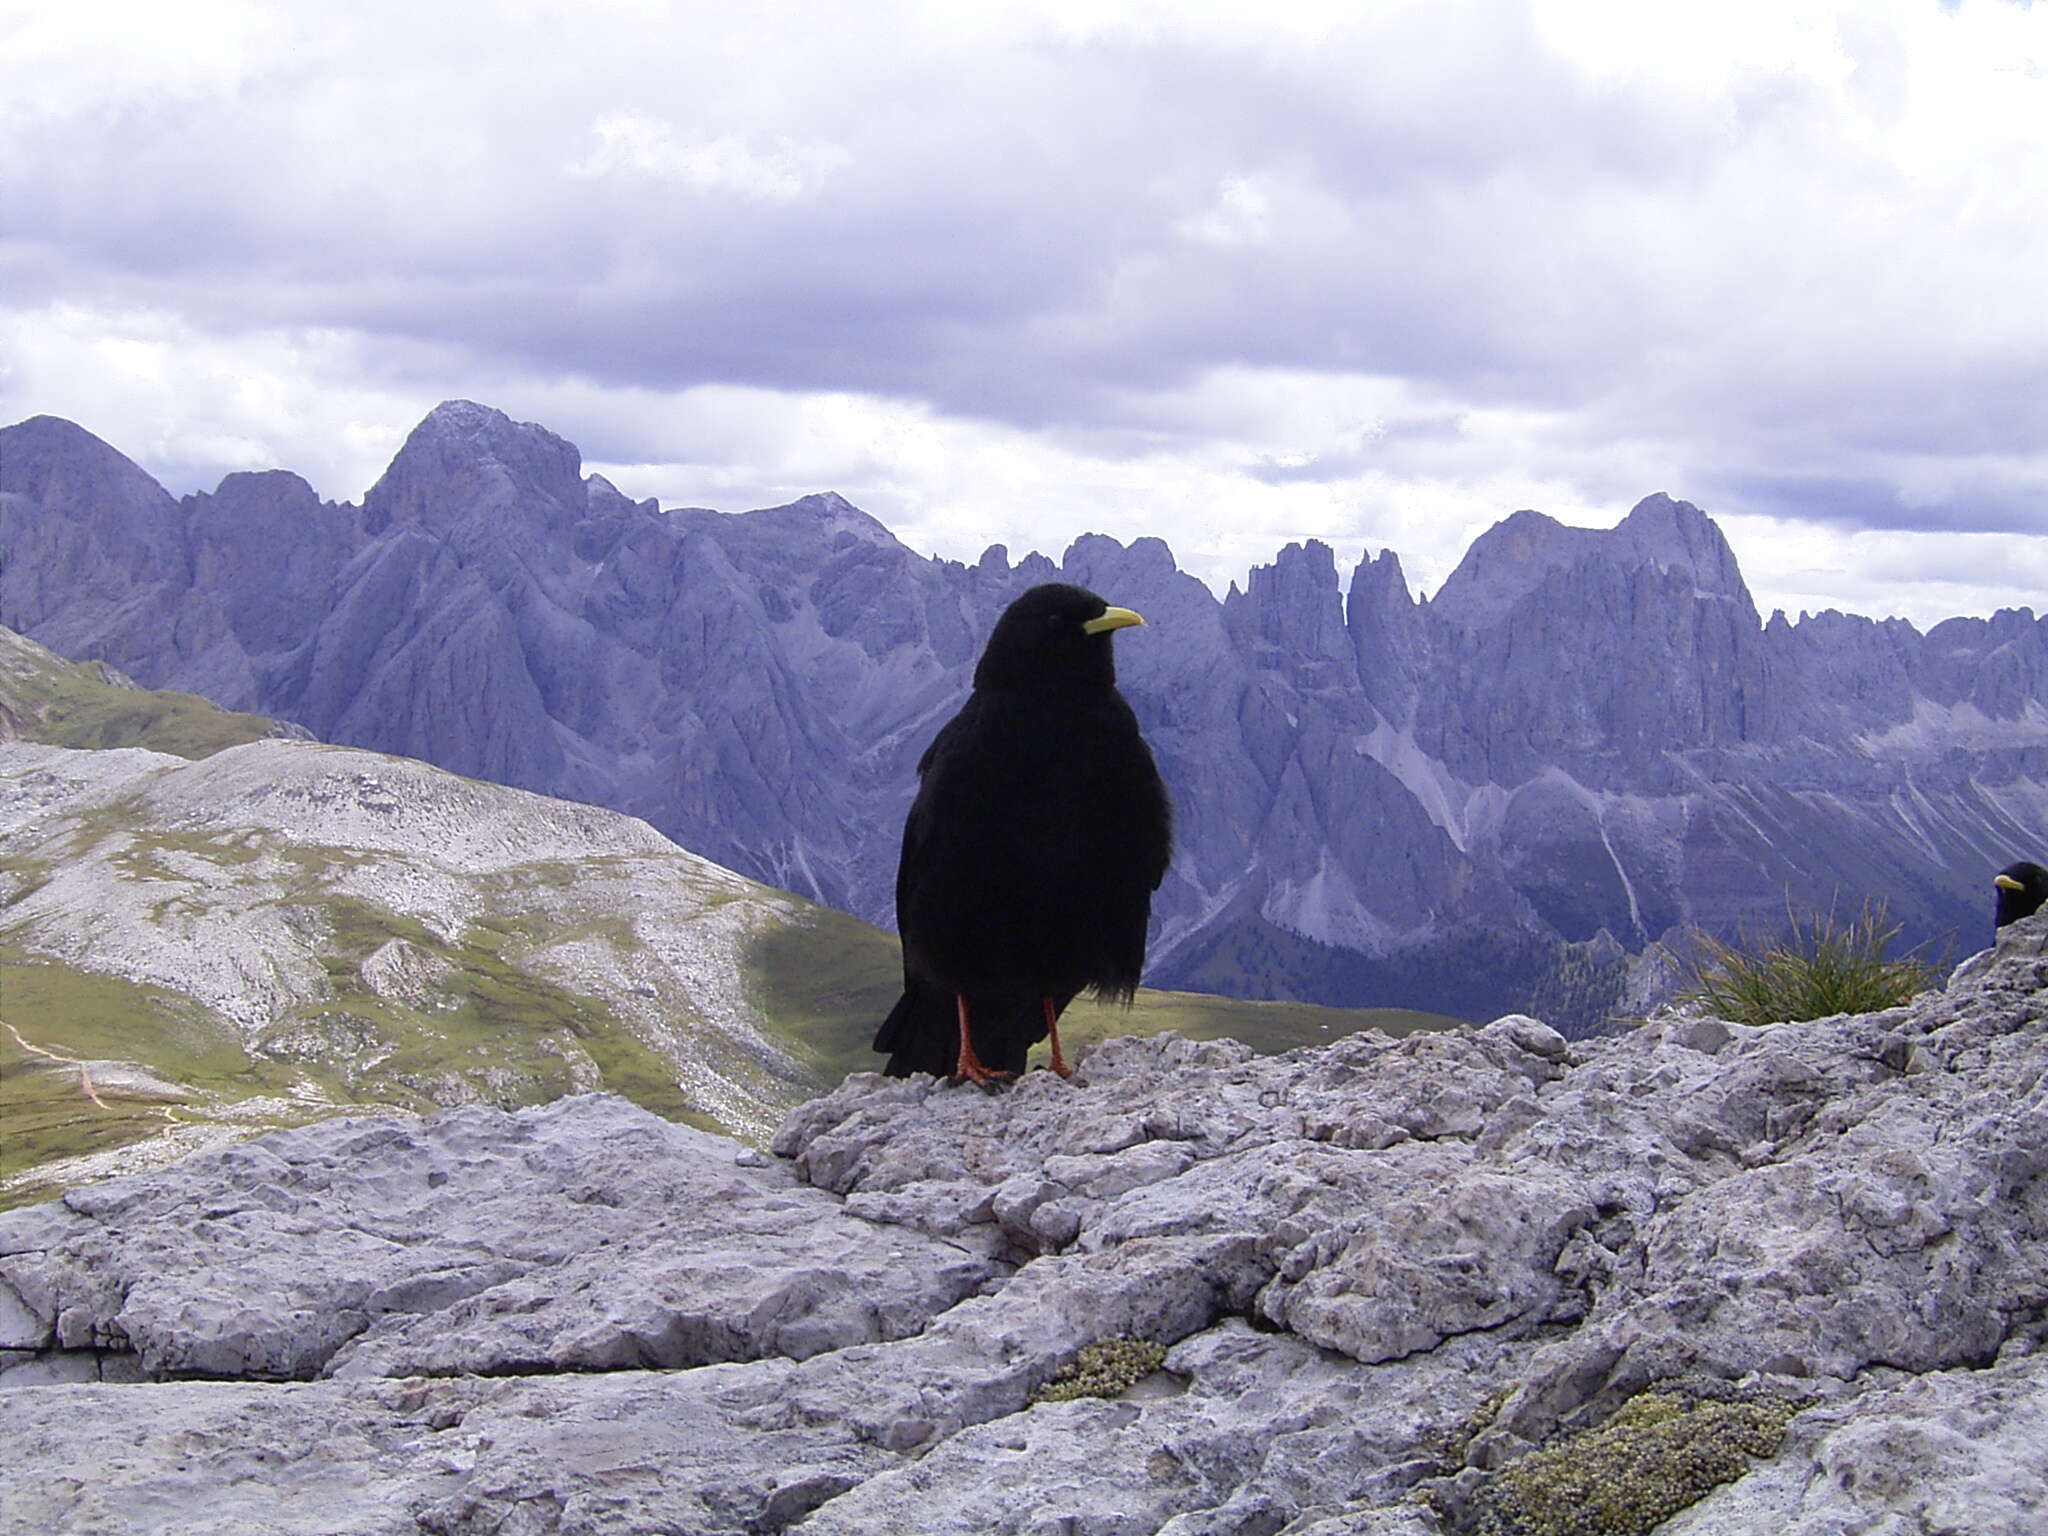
(1476, 802)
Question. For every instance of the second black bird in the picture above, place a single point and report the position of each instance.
(1039, 832)
(2022, 888)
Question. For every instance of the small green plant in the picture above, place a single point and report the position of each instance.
(1107, 1369)
(1821, 968)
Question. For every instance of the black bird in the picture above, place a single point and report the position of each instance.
(2022, 887)
(1039, 832)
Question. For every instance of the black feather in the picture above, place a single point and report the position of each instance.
(1039, 832)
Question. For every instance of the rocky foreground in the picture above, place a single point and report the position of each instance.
(1395, 1278)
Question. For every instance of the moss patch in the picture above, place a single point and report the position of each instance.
(1106, 1369)
(1659, 1453)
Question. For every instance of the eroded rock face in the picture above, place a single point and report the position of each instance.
(1385, 1269)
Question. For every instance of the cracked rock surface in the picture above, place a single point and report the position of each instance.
(1385, 1270)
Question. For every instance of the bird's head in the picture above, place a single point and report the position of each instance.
(1055, 636)
(2022, 888)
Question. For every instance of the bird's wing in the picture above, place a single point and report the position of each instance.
(1132, 784)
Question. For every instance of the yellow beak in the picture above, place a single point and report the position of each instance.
(1112, 618)
(2003, 882)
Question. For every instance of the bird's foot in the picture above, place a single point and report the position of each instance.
(1052, 1029)
(967, 1066)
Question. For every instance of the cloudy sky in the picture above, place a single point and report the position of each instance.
(1375, 273)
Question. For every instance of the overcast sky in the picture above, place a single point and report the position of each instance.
(1378, 274)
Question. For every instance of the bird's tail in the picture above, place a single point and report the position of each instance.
(921, 1034)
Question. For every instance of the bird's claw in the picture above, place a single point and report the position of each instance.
(987, 1081)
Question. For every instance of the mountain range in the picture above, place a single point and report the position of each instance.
(1584, 743)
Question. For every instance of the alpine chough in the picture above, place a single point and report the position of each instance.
(1039, 832)
(2022, 887)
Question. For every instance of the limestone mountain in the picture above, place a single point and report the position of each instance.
(1586, 740)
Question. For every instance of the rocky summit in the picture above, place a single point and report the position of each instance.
(1733, 1279)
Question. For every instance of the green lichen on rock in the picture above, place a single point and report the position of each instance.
(1659, 1453)
(1107, 1369)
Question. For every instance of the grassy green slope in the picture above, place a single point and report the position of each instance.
(63, 703)
(826, 983)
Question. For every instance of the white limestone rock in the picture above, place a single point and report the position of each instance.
(582, 1235)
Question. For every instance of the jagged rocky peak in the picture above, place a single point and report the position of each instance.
(1514, 557)
(465, 458)
(1505, 564)
(836, 516)
(81, 527)
(607, 500)
(1386, 628)
(1102, 562)
(1293, 604)
(1969, 635)
(1300, 569)
(41, 441)
(838, 512)
(1678, 536)
(1380, 582)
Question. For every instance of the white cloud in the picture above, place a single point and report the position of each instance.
(191, 406)
(1241, 215)
(1372, 274)
(1924, 577)
(87, 54)
(634, 145)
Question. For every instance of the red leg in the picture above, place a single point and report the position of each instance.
(969, 1066)
(1052, 1028)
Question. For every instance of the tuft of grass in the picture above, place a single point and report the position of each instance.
(1659, 1453)
(1821, 968)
